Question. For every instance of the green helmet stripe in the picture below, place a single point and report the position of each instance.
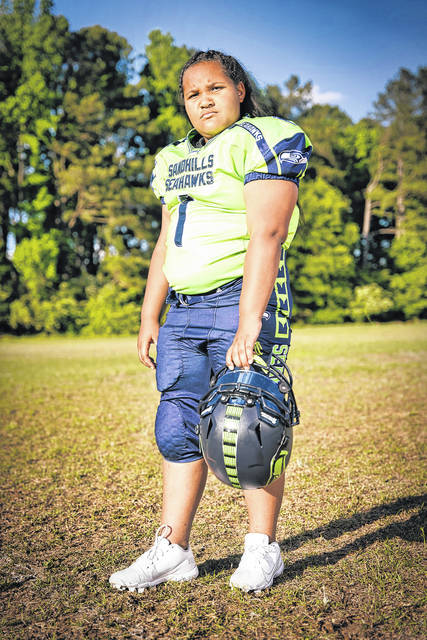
(229, 442)
(277, 465)
(234, 411)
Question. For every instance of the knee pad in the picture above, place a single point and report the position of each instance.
(176, 438)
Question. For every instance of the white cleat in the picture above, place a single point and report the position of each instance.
(260, 564)
(164, 561)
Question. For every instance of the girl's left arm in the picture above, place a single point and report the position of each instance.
(269, 207)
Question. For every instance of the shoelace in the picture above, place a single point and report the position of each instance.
(258, 551)
(162, 532)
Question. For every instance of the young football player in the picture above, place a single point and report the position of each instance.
(229, 191)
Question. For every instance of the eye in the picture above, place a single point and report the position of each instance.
(217, 87)
(193, 94)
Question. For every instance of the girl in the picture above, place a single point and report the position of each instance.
(229, 192)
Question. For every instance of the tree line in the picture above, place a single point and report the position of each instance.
(81, 120)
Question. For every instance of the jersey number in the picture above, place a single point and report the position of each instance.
(182, 212)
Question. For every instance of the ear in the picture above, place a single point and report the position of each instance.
(241, 91)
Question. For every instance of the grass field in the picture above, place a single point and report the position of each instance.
(81, 496)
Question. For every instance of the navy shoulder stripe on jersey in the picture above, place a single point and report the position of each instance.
(262, 145)
(287, 159)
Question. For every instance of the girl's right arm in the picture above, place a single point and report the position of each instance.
(154, 297)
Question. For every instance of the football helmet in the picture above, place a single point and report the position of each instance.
(246, 422)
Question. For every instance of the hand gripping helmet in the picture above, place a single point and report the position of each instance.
(246, 424)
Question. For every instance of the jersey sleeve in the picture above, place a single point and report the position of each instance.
(275, 149)
(158, 178)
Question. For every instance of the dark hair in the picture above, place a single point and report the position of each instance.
(234, 70)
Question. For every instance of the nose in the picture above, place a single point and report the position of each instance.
(206, 100)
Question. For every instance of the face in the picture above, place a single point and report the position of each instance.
(212, 100)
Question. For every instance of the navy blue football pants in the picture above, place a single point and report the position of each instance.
(192, 345)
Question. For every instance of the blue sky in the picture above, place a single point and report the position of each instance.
(349, 49)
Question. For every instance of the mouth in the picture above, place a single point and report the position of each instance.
(207, 115)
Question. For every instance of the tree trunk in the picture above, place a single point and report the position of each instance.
(4, 227)
(400, 202)
(367, 213)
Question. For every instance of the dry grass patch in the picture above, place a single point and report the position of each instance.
(81, 494)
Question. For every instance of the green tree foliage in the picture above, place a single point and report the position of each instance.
(408, 284)
(109, 133)
(46, 303)
(327, 126)
(111, 312)
(81, 120)
(321, 259)
(370, 302)
(160, 79)
(28, 112)
(291, 104)
(400, 190)
(30, 61)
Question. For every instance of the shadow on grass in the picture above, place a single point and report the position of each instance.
(336, 528)
(411, 530)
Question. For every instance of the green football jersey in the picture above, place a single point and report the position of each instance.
(202, 187)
